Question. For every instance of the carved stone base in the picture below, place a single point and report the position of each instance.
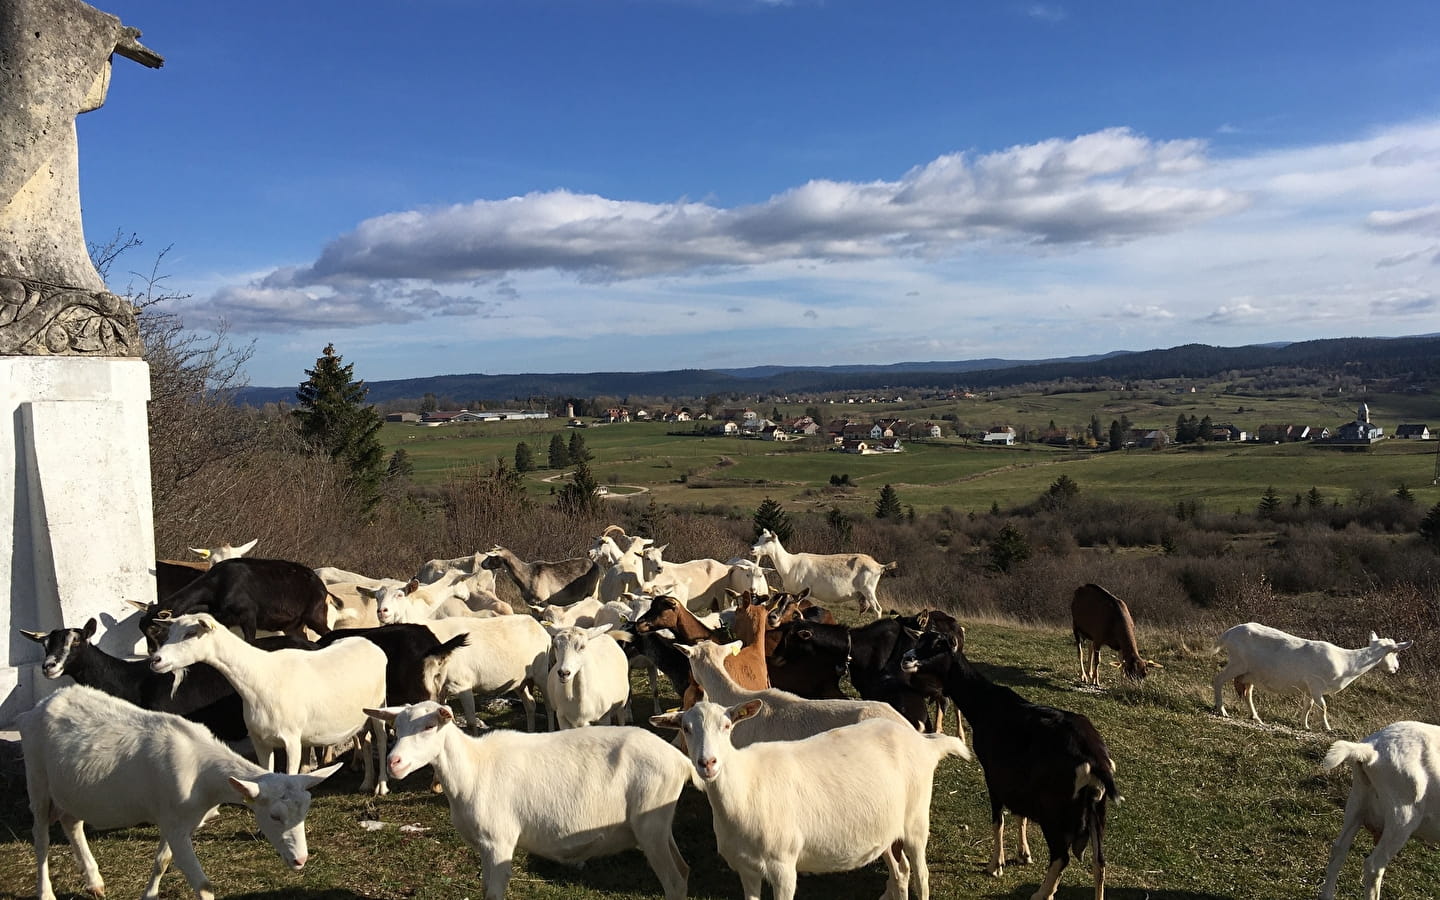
(39, 319)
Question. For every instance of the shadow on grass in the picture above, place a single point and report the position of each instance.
(300, 894)
(1086, 891)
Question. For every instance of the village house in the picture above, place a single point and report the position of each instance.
(406, 417)
(1360, 431)
(1413, 432)
(1002, 435)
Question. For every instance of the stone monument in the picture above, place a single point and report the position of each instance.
(75, 511)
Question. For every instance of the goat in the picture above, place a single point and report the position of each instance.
(747, 575)
(581, 613)
(748, 668)
(173, 574)
(567, 795)
(505, 653)
(1391, 797)
(273, 594)
(774, 818)
(622, 567)
(1268, 656)
(406, 647)
(810, 658)
(331, 575)
(223, 552)
(785, 717)
(562, 582)
(1103, 619)
(203, 696)
(700, 583)
(833, 577)
(1041, 763)
(292, 698)
(92, 758)
(589, 681)
(436, 569)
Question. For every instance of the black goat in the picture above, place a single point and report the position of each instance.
(251, 594)
(406, 647)
(809, 658)
(203, 696)
(1041, 763)
(171, 575)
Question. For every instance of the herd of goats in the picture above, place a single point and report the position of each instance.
(759, 671)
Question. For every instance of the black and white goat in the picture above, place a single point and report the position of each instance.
(1041, 763)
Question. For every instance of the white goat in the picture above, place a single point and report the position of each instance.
(622, 569)
(505, 653)
(699, 584)
(1395, 770)
(90, 757)
(581, 613)
(589, 681)
(1259, 654)
(332, 575)
(292, 698)
(747, 575)
(436, 569)
(357, 603)
(775, 817)
(567, 796)
(223, 552)
(617, 613)
(417, 602)
(831, 577)
(785, 716)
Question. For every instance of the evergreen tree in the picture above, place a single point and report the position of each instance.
(1008, 549)
(840, 526)
(429, 403)
(1314, 498)
(335, 420)
(1117, 435)
(524, 458)
(1060, 493)
(1269, 503)
(577, 496)
(578, 451)
(1097, 430)
(1430, 527)
(888, 505)
(770, 516)
(1404, 494)
(652, 520)
(559, 454)
(400, 469)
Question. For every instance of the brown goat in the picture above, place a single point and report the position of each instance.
(747, 666)
(1103, 619)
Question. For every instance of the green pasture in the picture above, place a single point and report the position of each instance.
(1213, 809)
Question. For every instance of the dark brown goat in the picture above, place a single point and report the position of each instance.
(1103, 619)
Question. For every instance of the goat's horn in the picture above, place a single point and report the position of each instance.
(1153, 664)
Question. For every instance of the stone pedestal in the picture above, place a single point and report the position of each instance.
(75, 509)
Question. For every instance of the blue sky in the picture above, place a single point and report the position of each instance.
(443, 186)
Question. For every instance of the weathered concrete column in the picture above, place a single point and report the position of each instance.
(75, 511)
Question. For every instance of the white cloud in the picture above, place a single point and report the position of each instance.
(1046, 12)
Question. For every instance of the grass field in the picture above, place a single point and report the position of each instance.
(1214, 810)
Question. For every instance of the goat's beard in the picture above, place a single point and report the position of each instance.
(179, 677)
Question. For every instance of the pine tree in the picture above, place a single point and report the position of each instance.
(578, 451)
(1008, 549)
(335, 420)
(429, 403)
(559, 454)
(400, 468)
(577, 497)
(1269, 503)
(888, 505)
(1404, 494)
(840, 526)
(1060, 493)
(1117, 435)
(524, 458)
(1097, 430)
(770, 516)
(1430, 527)
(1314, 498)
(652, 520)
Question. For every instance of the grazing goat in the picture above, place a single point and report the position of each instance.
(1259, 654)
(589, 681)
(293, 698)
(567, 796)
(203, 696)
(785, 717)
(1043, 764)
(561, 583)
(506, 653)
(251, 594)
(1392, 797)
(1103, 619)
(92, 758)
(833, 577)
(775, 815)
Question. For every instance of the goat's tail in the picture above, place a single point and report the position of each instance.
(949, 745)
(889, 566)
(1342, 752)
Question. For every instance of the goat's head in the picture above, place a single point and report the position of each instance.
(1391, 661)
(706, 729)
(61, 646)
(280, 803)
(187, 642)
(418, 734)
(933, 652)
(664, 612)
(569, 646)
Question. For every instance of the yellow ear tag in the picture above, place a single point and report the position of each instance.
(735, 651)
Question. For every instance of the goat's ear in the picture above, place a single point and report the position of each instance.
(1374, 637)
(665, 633)
(747, 710)
(803, 594)
(670, 719)
(38, 637)
(384, 713)
(312, 779)
(203, 625)
(412, 586)
(805, 634)
(248, 790)
(741, 600)
(733, 648)
(601, 629)
(89, 630)
(365, 591)
(246, 548)
(687, 649)
(445, 714)
(200, 552)
(144, 607)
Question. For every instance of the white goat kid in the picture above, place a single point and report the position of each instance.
(774, 817)
(1395, 770)
(1279, 661)
(505, 653)
(567, 796)
(831, 577)
(292, 698)
(589, 681)
(90, 757)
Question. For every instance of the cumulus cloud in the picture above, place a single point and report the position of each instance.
(1146, 311)
(1239, 312)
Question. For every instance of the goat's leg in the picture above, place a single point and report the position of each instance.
(751, 883)
(41, 809)
(653, 672)
(162, 862)
(1324, 711)
(781, 876)
(897, 886)
(1080, 652)
(997, 858)
(1221, 677)
(1097, 849)
(1095, 663)
(917, 869)
(1397, 832)
(264, 753)
(1023, 855)
(185, 860)
(653, 833)
(294, 752)
(75, 832)
(1354, 808)
(527, 700)
(497, 860)
(1059, 859)
(1250, 696)
(467, 704)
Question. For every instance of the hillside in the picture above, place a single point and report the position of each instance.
(1413, 357)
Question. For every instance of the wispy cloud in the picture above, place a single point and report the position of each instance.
(1046, 12)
